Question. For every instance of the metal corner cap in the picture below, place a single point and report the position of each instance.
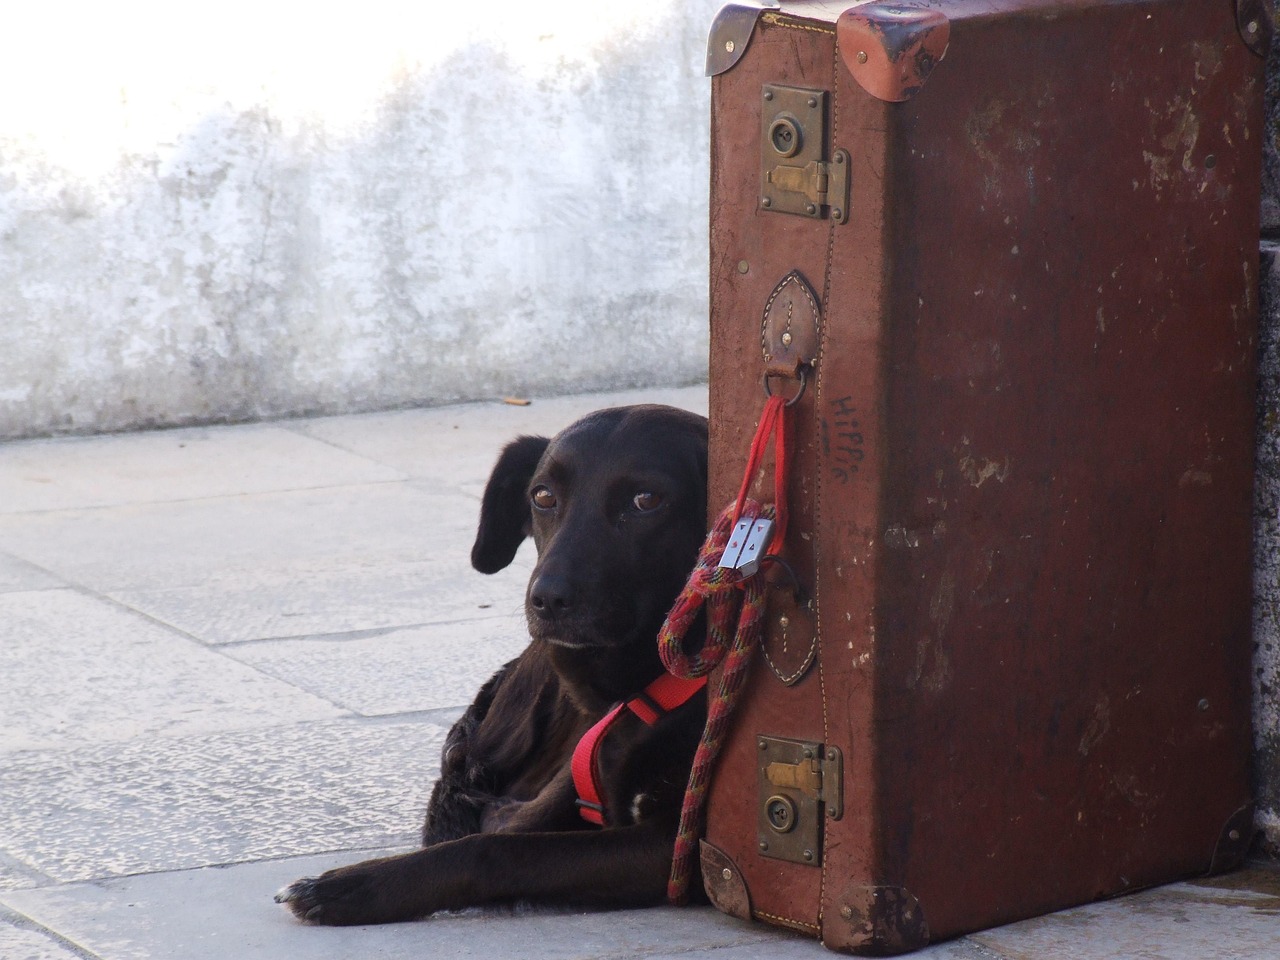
(730, 33)
(879, 921)
(723, 882)
(891, 48)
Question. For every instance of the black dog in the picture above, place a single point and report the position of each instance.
(616, 505)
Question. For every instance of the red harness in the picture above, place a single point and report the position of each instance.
(654, 702)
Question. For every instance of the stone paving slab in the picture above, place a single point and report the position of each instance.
(187, 633)
(457, 446)
(163, 804)
(214, 914)
(304, 599)
(171, 465)
(1233, 917)
(397, 670)
(226, 912)
(78, 669)
(17, 575)
(165, 545)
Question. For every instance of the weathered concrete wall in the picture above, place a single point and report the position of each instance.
(258, 213)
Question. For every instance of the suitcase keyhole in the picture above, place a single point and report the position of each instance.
(784, 134)
(781, 813)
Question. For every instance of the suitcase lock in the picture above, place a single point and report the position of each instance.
(795, 175)
(799, 784)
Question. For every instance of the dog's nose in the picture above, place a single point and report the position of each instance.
(551, 596)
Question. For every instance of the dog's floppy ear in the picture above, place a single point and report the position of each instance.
(504, 512)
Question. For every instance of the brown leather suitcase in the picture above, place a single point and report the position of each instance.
(1002, 255)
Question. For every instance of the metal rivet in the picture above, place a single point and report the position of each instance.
(808, 753)
(831, 754)
(846, 912)
(1252, 26)
(862, 56)
(727, 873)
(1203, 704)
(729, 46)
(763, 845)
(813, 101)
(768, 94)
(766, 202)
(786, 342)
(808, 854)
(743, 266)
(810, 208)
(763, 744)
(1210, 161)
(1234, 834)
(837, 213)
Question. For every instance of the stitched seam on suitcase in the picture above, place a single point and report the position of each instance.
(778, 20)
(819, 466)
(787, 921)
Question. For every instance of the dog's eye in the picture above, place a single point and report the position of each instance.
(646, 501)
(543, 498)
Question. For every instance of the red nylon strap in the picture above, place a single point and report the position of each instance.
(773, 421)
(657, 699)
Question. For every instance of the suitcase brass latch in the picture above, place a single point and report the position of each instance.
(795, 174)
(799, 785)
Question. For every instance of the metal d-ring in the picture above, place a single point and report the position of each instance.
(797, 592)
(804, 382)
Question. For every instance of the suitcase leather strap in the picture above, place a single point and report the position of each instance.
(650, 705)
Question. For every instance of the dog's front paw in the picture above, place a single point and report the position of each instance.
(376, 891)
(337, 898)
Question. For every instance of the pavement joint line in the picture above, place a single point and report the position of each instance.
(20, 921)
(342, 636)
(334, 445)
(356, 853)
(106, 598)
(437, 715)
(244, 495)
(63, 582)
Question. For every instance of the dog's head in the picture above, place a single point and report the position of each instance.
(616, 505)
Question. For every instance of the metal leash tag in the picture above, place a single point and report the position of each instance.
(747, 544)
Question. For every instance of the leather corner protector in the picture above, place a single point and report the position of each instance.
(790, 327)
(891, 48)
(1234, 841)
(875, 920)
(1256, 20)
(723, 882)
(731, 33)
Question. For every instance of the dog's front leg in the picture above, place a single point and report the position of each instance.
(619, 867)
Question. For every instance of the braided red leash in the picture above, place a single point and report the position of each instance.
(716, 586)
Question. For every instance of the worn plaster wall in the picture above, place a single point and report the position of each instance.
(264, 209)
